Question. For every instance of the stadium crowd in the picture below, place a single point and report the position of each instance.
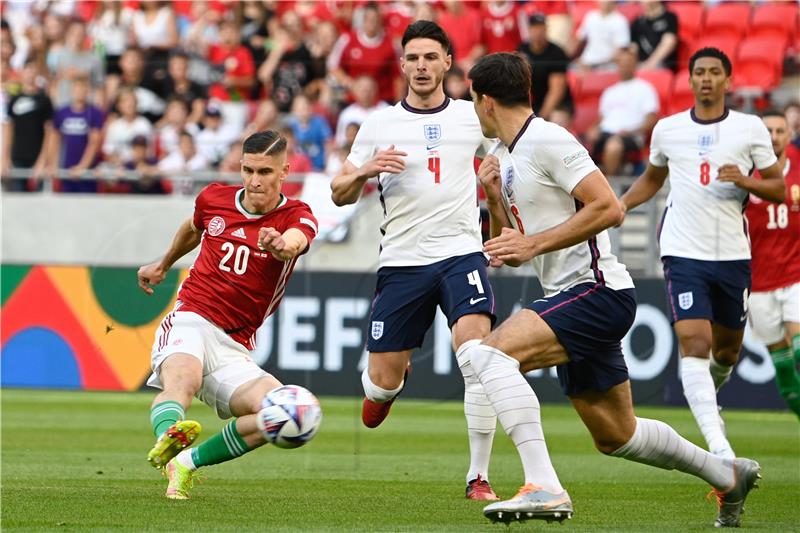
(161, 93)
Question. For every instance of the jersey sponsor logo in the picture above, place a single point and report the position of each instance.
(685, 300)
(473, 301)
(377, 329)
(239, 233)
(433, 133)
(216, 226)
(571, 158)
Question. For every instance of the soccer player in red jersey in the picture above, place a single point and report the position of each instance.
(775, 241)
(250, 239)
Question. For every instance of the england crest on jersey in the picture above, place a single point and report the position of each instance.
(377, 329)
(685, 300)
(433, 132)
(705, 140)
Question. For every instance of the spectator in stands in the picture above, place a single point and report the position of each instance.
(144, 166)
(234, 64)
(299, 164)
(287, 70)
(215, 139)
(37, 47)
(654, 36)
(549, 64)
(78, 129)
(628, 112)
(255, 28)
(311, 131)
(55, 29)
(462, 24)
(73, 61)
(339, 154)
(178, 85)
(122, 129)
(456, 85)
(110, 30)
(266, 118)
(562, 116)
(185, 158)
(792, 112)
(323, 38)
(365, 101)
(154, 29)
(366, 51)
(503, 23)
(27, 131)
(559, 21)
(11, 76)
(133, 76)
(603, 33)
(174, 121)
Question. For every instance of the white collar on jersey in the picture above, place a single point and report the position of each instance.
(248, 214)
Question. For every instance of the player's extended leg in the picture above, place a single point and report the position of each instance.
(726, 345)
(786, 376)
(481, 419)
(529, 339)
(181, 376)
(616, 431)
(694, 338)
(793, 338)
(383, 380)
(239, 436)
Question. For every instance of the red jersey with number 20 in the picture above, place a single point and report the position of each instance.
(234, 284)
(775, 232)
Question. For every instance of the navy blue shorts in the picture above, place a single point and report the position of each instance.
(590, 321)
(406, 298)
(711, 290)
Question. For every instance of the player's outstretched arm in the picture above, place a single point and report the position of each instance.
(283, 246)
(186, 239)
(347, 186)
(645, 187)
(770, 187)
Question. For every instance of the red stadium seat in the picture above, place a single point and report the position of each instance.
(690, 18)
(574, 82)
(593, 84)
(586, 115)
(681, 96)
(759, 63)
(630, 10)
(776, 18)
(729, 46)
(727, 19)
(661, 79)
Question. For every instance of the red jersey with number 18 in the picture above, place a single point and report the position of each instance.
(234, 284)
(775, 232)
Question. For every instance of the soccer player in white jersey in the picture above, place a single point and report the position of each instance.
(420, 152)
(707, 151)
(550, 205)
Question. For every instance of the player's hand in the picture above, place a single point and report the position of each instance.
(271, 240)
(389, 160)
(489, 176)
(731, 174)
(150, 275)
(511, 248)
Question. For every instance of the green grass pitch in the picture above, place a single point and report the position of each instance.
(75, 461)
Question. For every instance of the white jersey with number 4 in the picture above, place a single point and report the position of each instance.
(430, 208)
(539, 171)
(704, 217)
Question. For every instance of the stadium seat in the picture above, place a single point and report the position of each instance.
(661, 79)
(727, 45)
(593, 84)
(690, 19)
(727, 20)
(574, 82)
(681, 97)
(630, 10)
(774, 19)
(586, 114)
(759, 63)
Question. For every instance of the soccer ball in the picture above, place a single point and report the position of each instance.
(290, 416)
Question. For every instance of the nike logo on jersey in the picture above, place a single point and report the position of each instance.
(432, 146)
(473, 301)
(239, 233)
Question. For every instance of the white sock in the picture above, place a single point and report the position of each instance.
(481, 419)
(698, 387)
(655, 443)
(185, 459)
(517, 408)
(719, 373)
(375, 393)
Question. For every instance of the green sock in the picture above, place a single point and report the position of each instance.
(796, 348)
(224, 446)
(786, 378)
(164, 414)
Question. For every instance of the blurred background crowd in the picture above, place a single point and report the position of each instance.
(155, 97)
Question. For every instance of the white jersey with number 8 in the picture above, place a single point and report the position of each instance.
(704, 217)
(430, 208)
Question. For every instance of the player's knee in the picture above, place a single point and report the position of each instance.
(695, 346)
(608, 444)
(727, 355)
